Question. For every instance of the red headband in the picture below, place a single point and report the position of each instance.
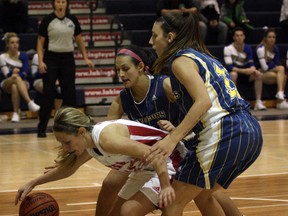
(134, 55)
(130, 53)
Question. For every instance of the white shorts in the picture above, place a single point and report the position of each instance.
(147, 182)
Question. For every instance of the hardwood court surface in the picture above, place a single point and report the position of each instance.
(261, 190)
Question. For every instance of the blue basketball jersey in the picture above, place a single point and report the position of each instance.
(154, 107)
(228, 138)
(221, 89)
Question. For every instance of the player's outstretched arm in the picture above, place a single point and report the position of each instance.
(55, 174)
(167, 193)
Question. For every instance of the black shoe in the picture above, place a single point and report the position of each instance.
(41, 134)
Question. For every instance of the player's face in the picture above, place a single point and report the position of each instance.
(13, 44)
(271, 38)
(127, 71)
(60, 5)
(158, 41)
(71, 143)
(239, 37)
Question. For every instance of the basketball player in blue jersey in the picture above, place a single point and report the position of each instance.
(118, 144)
(228, 139)
(145, 98)
(55, 47)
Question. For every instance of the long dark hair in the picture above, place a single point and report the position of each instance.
(267, 30)
(147, 55)
(186, 27)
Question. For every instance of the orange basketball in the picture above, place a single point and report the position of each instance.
(39, 204)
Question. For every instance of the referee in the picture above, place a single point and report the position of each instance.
(55, 47)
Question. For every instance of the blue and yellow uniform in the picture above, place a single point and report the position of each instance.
(154, 107)
(228, 138)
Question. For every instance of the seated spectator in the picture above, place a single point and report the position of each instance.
(14, 69)
(284, 16)
(269, 64)
(233, 14)
(14, 16)
(209, 14)
(176, 6)
(37, 82)
(238, 58)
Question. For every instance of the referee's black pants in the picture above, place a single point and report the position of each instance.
(60, 66)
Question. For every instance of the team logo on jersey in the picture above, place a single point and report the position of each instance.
(154, 98)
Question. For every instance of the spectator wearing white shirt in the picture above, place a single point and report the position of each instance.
(238, 58)
(269, 64)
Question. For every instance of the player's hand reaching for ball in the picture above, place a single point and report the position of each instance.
(23, 192)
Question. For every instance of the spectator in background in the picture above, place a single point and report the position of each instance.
(238, 58)
(269, 64)
(176, 6)
(284, 16)
(209, 14)
(233, 14)
(56, 35)
(14, 70)
(37, 82)
(14, 16)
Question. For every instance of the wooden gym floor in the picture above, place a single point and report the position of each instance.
(261, 190)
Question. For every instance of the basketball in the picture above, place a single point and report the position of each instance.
(39, 204)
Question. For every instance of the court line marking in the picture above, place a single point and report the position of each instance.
(82, 203)
(234, 198)
(264, 174)
(99, 185)
(264, 206)
(260, 199)
(96, 185)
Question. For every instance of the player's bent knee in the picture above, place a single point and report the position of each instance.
(131, 209)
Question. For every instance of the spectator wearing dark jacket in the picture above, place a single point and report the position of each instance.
(216, 29)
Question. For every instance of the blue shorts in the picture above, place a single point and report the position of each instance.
(222, 151)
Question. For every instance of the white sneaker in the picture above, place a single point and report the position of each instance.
(280, 95)
(259, 106)
(33, 106)
(15, 117)
(282, 105)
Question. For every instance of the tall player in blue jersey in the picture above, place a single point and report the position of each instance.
(228, 139)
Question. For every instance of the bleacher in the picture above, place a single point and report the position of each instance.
(97, 88)
(94, 87)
